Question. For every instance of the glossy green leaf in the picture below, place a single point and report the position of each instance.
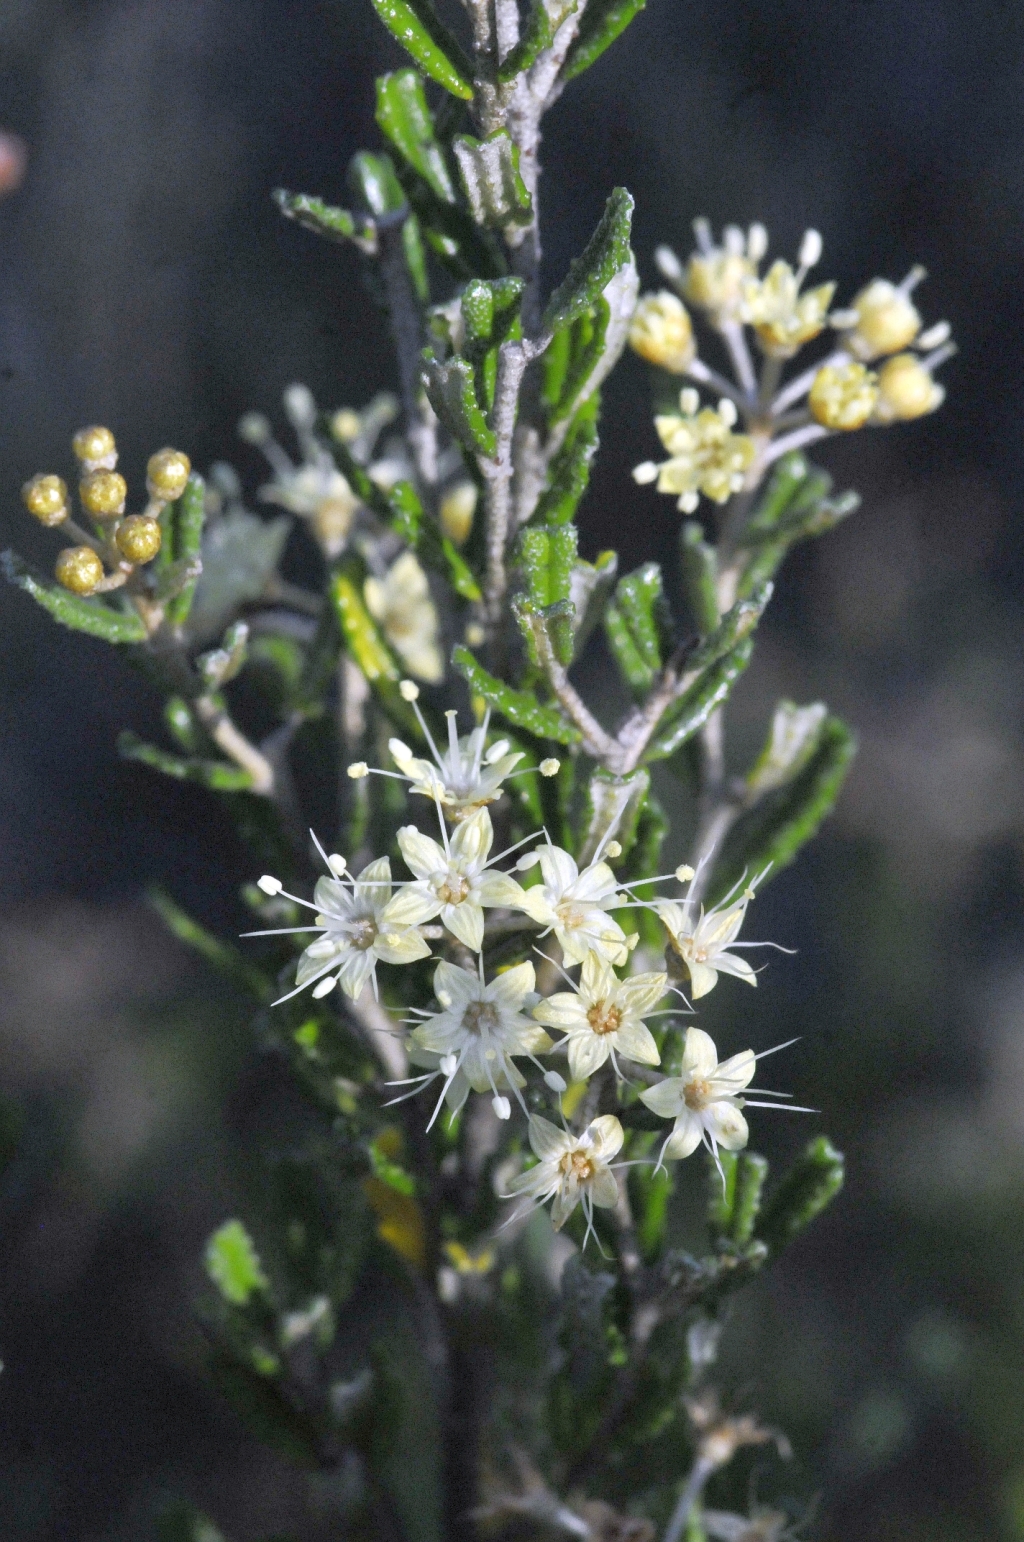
(734, 1209)
(637, 673)
(91, 616)
(736, 625)
(489, 171)
(219, 775)
(520, 708)
(233, 1264)
(792, 739)
(415, 258)
(187, 518)
(811, 1183)
(372, 178)
(451, 390)
(771, 834)
(405, 118)
(689, 714)
(574, 362)
(367, 647)
(606, 254)
(641, 600)
(416, 25)
(569, 473)
(538, 33)
(698, 565)
(324, 219)
(603, 21)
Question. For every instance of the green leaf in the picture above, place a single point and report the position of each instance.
(538, 33)
(365, 644)
(641, 601)
(324, 219)
(187, 516)
(219, 775)
(403, 115)
(689, 714)
(451, 390)
(489, 170)
(603, 21)
(733, 1211)
(415, 258)
(582, 344)
(520, 708)
(736, 625)
(699, 567)
(222, 664)
(773, 832)
(546, 628)
(233, 1264)
(226, 959)
(372, 178)
(812, 1182)
(614, 805)
(606, 254)
(792, 739)
(91, 616)
(637, 673)
(240, 556)
(589, 588)
(422, 34)
(569, 473)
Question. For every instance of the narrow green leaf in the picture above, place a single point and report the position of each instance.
(733, 1213)
(219, 775)
(695, 706)
(538, 33)
(451, 390)
(641, 601)
(91, 616)
(372, 178)
(415, 258)
(569, 473)
(773, 832)
(535, 564)
(489, 170)
(736, 625)
(227, 960)
(233, 1264)
(698, 565)
(602, 23)
(792, 739)
(812, 1182)
(638, 674)
(520, 708)
(788, 475)
(324, 219)
(586, 343)
(403, 115)
(589, 588)
(613, 809)
(607, 252)
(422, 34)
(188, 516)
(362, 637)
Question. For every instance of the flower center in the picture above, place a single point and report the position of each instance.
(577, 1164)
(362, 935)
(480, 1015)
(569, 915)
(697, 1094)
(692, 951)
(453, 890)
(603, 1017)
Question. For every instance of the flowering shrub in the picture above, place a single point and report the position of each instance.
(488, 992)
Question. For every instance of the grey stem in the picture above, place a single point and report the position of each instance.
(407, 331)
(701, 1472)
(513, 359)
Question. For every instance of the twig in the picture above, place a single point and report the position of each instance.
(513, 360)
(233, 742)
(692, 1489)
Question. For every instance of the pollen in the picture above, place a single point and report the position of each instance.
(697, 1094)
(577, 1164)
(604, 1018)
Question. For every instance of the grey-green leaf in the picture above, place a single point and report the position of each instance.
(711, 688)
(91, 616)
(606, 254)
(403, 115)
(325, 219)
(792, 739)
(520, 708)
(489, 170)
(451, 390)
(603, 21)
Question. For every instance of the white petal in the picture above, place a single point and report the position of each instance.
(563, 1010)
(466, 922)
(665, 1098)
(409, 905)
(735, 1073)
(547, 1139)
(604, 1191)
(472, 840)
(332, 897)
(373, 886)
(565, 1203)
(595, 885)
(355, 972)
(536, 902)
(498, 889)
(729, 963)
(686, 1136)
(702, 979)
(587, 1051)
(727, 1125)
(597, 982)
(423, 856)
(641, 993)
(455, 986)
(636, 1042)
(606, 1133)
(507, 990)
(700, 1057)
(558, 868)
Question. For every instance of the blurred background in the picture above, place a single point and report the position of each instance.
(147, 282)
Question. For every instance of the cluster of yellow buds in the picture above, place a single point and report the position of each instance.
(706, 456)
(118, 541)
(783, 318)
(715, 278)
(662, 333)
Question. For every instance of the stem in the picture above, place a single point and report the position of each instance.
(513, 359)
(692, 1488)
(233, 742)
(407, 331)
(739, 353)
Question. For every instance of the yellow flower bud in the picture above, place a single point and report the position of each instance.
(843, 396)
(78, 569)
(906, 390)
(103, 493)
(887, 320)
(47, 498)
(95, 448)
(167, 474)
(661, 332)
(714, 282)
(458, 505)
(138, 538)
(346, 425)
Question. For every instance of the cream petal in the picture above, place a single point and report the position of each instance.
(700, 1057)
(333, 898)
(534, 1181)
(729, 963)
(565, 1203)
(671, 915)
(604, 1191)
(401, 945)
(472, 840)
(536, 902)
(457, 1093)
(423, 856)
(597, 982)
(636, 1042)
(373, 886)
(718, 928)
(702, 979)
(355, 971)
(547, 1139)
(531, 1041)
(563, 1010)
(499, 889)
(685, 1137)
(457, 985)
(735, 1073)
(466, 922)
(607, 1135)
(313, 964)
(587, 1051)
(641, 993)
(727, 1125)
(439, 1034)
(596, 885)
(665, 1098)
(409, 905)
(558, 868)
(507, 990)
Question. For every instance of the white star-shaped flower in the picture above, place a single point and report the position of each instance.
(452, 880)
(575, 906)
(572, 1169)
(354, 934)
(702, 947)
(401, 603)
(480, 1030)
(603, 1016)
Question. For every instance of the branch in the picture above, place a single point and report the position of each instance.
(233, 742)
(513, 359)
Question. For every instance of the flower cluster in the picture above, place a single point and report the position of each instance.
(484, 1034)
(879, 371)
(109, 553)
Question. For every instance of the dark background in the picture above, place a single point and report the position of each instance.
(146, 282)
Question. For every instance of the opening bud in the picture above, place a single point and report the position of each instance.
(103, 494)
(95, 448)
(254, 428)
(138, 538)
(843, 396)
(661, 332)
(79, 569)
(810, 249)
(46, 497)
(325, 987)
(906, 390)
(167, 474)
(346, 425)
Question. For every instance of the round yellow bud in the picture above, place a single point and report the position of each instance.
(47, 498)
(138, 538)
(661, 332)
(103, 493)
(906, 390)
(78, 569)
(843, 396)
(167, 473)
(458, 506)
(887, 320)
(95, 448)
